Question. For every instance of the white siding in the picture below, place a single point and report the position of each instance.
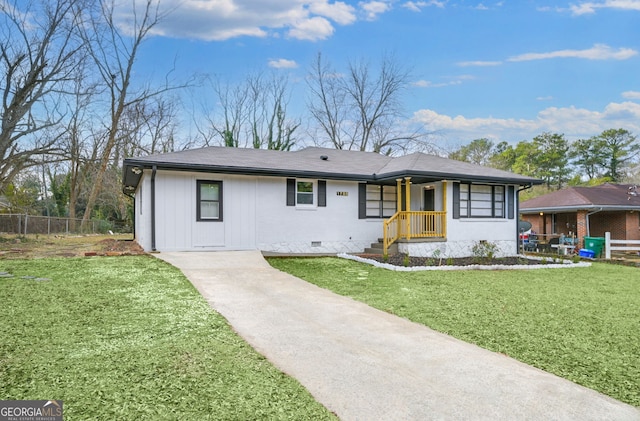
(334, 228)
(463, 233)
(255, 216)
(143, 206)
(176, 224)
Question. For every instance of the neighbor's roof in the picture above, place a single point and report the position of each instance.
(604, 197)
(316, 162)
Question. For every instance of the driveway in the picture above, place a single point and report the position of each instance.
(365, 364)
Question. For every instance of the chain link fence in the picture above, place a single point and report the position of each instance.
(23, 224)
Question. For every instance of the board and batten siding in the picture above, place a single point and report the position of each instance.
(255, 216)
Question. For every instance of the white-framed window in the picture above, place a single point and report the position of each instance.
(482, 201)
(381, 201)
(305, 192)
(209, 200)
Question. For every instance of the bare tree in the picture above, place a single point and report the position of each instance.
(78, 136)
(38, 51)
(233, 103)
(268, 120)
(148, 127)
(363, 110)
(251, 113)
(114, 54)
(327, 104)
(161, 125)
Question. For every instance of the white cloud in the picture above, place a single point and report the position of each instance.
(479, 63)
(312, 29)
(631, 94)
(218, 20)
(283, 63)
(374, 8)
(590, 7)
(417, 6)
(544, 98)
(338, 12)
(429, 84)
(456, 80)
(597, 52)
(574, 123)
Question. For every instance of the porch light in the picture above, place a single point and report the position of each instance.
(541, 213)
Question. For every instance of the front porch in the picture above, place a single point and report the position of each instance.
(407, 224)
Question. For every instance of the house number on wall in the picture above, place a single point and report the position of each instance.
(342, 193)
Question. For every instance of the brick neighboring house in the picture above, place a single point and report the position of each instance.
(586, 211)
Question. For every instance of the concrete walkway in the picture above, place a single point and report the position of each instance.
(365, 364)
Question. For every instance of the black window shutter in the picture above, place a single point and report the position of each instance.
(322, 193)
(291, 191)
(362, 201)
(456, 200)
(511, 197)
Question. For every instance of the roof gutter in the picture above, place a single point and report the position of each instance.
(328, 175)
(598, 208)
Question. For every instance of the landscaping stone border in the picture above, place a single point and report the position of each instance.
(564, 264)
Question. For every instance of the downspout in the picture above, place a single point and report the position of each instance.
(153, 208)
(588, 223)
(133, 220)
(518, 217)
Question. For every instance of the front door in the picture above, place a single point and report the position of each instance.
(429, 200)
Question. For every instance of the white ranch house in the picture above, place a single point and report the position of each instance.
(318, 200)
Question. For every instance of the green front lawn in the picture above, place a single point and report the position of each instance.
(129, 338)
(582, 323)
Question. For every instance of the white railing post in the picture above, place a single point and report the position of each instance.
(607, 245)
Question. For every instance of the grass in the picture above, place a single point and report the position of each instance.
(581, 323)
(129, 338)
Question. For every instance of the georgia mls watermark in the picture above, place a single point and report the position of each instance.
(30, 410)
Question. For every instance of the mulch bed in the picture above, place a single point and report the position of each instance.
(112, 247)
(399, 260)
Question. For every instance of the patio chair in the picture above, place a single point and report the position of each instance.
(532, 244)
(548, 248)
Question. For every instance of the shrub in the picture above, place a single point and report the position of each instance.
(484, 250)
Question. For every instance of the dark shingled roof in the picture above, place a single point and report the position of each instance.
(605, 197)
(316, 162)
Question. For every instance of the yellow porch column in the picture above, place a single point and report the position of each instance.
(399, 195)
(444, 207)
(407, 186)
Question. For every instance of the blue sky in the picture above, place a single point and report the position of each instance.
(506, 70)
